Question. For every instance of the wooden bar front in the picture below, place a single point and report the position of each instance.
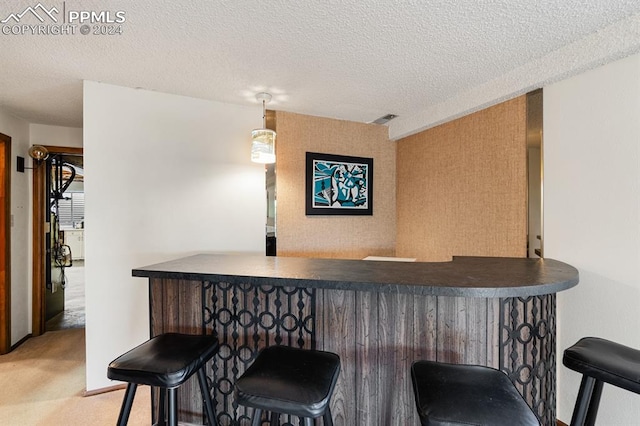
(378, 334)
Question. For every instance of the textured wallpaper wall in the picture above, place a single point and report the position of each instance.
(333, 236)
(462, 187)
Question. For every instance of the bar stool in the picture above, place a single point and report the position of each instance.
(165, 361)
(285, 380)
(600, 361)
(455, 394)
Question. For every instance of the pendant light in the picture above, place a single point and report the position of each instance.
(263, 141)
(38, 152)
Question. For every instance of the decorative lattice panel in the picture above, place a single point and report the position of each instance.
(246, 318)
(528, 350)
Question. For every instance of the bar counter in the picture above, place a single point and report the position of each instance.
(378, 316)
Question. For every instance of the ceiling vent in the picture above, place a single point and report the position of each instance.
(384, 119)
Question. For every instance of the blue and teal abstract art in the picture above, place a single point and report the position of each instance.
(338, 185)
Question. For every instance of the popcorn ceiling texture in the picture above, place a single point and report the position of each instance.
(428, 61)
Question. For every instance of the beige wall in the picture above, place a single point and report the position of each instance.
(333, 236)
(462, 187)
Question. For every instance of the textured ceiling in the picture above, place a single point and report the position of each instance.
(426, 61)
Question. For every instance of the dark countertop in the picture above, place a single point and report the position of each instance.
(464, 276)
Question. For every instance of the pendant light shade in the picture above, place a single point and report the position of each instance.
(263, 141)
(263, 146)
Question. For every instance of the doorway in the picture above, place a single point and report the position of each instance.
(5, 244)
(58, 240)
(64, 298)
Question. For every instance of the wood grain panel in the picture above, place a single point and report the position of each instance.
(171, 314)
(391, 332)
(339, 336)
(425, 337)
(369, 394)
(493, 333)
(461, 330)
(176, 307)
(396, 335)
(189, 321)
(190, 303)
(475, 351)
(156, 310)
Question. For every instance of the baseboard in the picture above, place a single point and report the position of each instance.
(105, 390)
(561, 423)
(21, 341)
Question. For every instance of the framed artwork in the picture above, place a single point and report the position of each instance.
(338, 185)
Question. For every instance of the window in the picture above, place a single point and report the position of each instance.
(71, 209)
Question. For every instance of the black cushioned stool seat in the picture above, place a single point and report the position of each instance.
(600, 361)
(453, 394)
(292, 381)
(165, 361)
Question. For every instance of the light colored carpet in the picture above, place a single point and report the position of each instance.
(42, 382)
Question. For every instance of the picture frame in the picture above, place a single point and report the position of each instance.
(338, 185)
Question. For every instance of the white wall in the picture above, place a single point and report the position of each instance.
(592, 217)
(165, 176)
(18, 130)
(42, 134)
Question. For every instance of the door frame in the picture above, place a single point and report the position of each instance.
(5, 256)
(40, 197)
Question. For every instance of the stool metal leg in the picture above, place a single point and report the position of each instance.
(308, 421)
(162, 408)
(208, 404)
(328, 420)
(582, 403)
(257, 417)
(123, 418)
(173, 406)
(594, 404)
(275, 419)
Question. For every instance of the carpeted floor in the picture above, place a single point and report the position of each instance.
(42, 382)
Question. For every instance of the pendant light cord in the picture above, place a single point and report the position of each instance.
(264, 114)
